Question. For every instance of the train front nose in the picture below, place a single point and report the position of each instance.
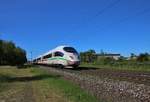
(74, 60)
(74, 63)
(73, 56)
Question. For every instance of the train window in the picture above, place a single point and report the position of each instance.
(39, 59)
(60, 54)
(48, 56)
(70, 49)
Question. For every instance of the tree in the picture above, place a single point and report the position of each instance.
(1, 51)
(10, 54)
(133, 56)
(91, 55)
(20, 56)
(143, 57)
(121, 58)
(108, 60)
(88, 56)
(82, 56)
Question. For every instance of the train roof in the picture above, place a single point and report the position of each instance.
(50, 51)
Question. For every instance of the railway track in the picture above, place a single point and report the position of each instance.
(109, 85)
(130, 76)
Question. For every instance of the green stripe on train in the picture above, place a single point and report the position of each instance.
(57, 58)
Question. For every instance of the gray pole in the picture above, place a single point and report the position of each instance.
(31, 56)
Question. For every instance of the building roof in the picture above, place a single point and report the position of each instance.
(109, 54)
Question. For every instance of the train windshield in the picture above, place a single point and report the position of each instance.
(70, 49)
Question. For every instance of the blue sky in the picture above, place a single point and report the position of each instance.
(116, 26)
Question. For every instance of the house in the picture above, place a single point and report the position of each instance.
(114, 56)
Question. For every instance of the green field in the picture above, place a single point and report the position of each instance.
(119, 66)
(36, 85)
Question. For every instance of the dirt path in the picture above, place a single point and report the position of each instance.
(18, 93)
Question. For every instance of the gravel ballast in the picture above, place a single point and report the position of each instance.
(106, 89)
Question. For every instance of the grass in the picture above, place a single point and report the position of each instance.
(128, 67)
(68, 90)
(18, 84)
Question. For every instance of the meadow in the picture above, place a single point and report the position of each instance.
(37, 85)
(128, 65)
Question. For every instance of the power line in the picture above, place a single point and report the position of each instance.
(135, 15)
(112, 4)
(107, 7)
(129, 17)
(121, 20)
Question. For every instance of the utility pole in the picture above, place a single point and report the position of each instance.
(31, 56)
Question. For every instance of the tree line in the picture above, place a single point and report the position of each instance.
(10, 54)
(91, 56)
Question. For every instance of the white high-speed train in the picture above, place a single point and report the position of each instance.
(61, 56)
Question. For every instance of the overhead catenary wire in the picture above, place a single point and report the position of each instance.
(112, 4)
(139, 13)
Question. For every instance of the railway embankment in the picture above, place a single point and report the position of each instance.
(106, 89)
